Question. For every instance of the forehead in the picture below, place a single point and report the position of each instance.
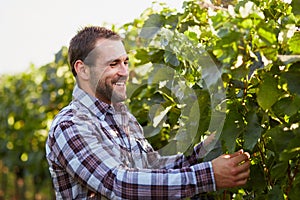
(110, 49)
(106, 50)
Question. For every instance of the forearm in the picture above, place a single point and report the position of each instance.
(159, 184)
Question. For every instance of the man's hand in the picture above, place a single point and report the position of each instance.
(231, 170)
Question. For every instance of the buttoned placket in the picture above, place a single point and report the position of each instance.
(136, 149)
(120, 119)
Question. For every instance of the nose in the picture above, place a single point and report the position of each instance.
(123, 69)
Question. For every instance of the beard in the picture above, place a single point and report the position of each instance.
(110, 91)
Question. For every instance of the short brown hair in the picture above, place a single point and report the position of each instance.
(84, 42)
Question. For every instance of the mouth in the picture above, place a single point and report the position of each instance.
(120, 83)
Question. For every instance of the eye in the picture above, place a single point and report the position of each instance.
(126, 61)
(113, 64)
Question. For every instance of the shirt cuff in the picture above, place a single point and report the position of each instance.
(205, 179)
(212, 176)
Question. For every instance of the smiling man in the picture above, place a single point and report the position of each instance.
(96, 149)
(104, 72)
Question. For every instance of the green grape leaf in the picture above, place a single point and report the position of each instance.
(231, 130)
(151, 26)
(159, 74)
(268, 92)
(293, 80)
(292, 150)
(253, 130)
(287, 106)
(279, 170)
(295, 192)
(172, 21)
(280, 137)
(257, 180)
(171, 58)
(268, 36)
(294, 43)
(275, 193)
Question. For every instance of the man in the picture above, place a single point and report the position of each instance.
(96, 148)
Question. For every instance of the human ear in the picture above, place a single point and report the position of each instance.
(82, 70)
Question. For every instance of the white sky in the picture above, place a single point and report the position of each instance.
(32, 31)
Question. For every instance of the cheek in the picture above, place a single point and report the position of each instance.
(106, 76)
(110, 76)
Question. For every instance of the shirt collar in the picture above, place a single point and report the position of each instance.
(93, 104)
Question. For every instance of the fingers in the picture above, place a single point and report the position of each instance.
(241, 182)
(242, 172)
(239, 152)
(242, 178)
(239, 175)
(238, 157)
(241, 158)
(241, 169)
(236, 170)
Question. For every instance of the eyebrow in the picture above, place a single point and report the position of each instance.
(117, 60)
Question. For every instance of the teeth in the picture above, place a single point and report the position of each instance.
(120, 83)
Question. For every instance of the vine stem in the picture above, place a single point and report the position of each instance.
(266, 170)
(291, 177)
(224, 194)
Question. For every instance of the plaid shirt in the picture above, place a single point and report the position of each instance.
(98, 151)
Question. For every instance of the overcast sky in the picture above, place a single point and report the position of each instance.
(32, 31)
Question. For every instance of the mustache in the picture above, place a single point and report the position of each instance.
(120, 78)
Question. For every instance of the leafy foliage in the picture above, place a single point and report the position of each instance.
(29, 101)
(254, 44)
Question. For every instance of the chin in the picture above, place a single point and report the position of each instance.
(118, 97)
(120, 100)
